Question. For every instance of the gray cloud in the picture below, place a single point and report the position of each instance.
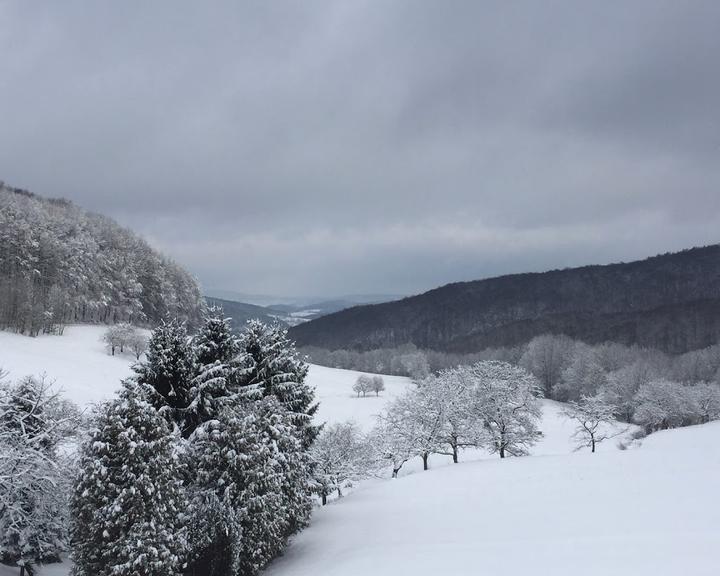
(339, 147)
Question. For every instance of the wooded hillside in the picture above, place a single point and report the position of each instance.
(61, 264)
(670, 302)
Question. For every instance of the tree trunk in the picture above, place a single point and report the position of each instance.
(425, 460)
(455, 454)
(502, 451)
(324, 498)
(395, 472)
(592, 440)
(339, 492)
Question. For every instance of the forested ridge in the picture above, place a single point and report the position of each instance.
(669, 302)
(61, 264)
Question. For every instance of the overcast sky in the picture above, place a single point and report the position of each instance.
(326, 148)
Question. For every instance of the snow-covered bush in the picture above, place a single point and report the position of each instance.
(363, 385)
(33, 473)
(707, 401)
(340, 456)
(378, 385)
(662, 404)
(593, 415)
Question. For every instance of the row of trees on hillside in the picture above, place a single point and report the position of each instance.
(366, 384)
(494, 406)
(201, 465)
(125, 337)
(60, 264)
(491, 405)
(566, 369)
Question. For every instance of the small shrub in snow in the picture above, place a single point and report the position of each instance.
(593, 415)
(340, 457)
(378, 384)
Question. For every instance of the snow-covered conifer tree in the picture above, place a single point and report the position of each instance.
(273, 367)
(128, 504)
(245, 458)
(168, 369)
(215, 349)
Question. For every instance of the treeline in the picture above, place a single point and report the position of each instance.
(200, 465)
(567, 369)
(60, 264)
(495, 406)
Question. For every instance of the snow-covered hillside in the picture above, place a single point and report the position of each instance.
(82, 368)
(652, 510)
(77, 361)
(649, 510)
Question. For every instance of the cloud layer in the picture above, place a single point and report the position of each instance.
(322, 148)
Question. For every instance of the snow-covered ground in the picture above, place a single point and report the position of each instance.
(77, 361)
(81, 367)
(653, 509)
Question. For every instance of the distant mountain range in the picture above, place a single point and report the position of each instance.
(286, 310)
(670, 302)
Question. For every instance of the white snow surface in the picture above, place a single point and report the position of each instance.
(77, 361)
(653, 509)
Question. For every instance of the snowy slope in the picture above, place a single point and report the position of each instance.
(649, 510)
(77, 361)
(333, 388)
(652, 510)
(86, 373)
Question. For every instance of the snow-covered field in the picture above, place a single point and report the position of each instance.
(77, 361)
(81, 367)
(653, 509)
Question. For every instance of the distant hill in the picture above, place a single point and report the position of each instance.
(62, 264)
(288, 310)
(671, 302)
(241, 312)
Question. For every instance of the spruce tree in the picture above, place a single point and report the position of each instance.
(239, 460)
(215, 349)
(127, 505)
(215, 341)
(168, 369)
(274, 368)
